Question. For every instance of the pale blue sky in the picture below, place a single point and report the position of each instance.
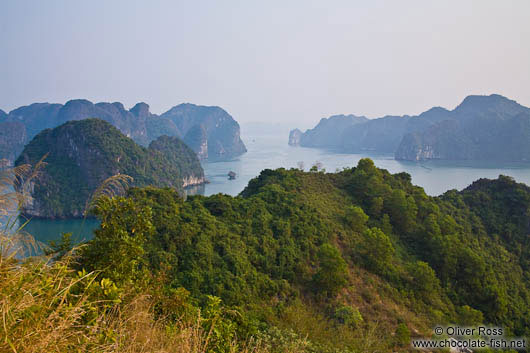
(282, 61)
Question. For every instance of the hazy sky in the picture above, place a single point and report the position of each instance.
(280, 61)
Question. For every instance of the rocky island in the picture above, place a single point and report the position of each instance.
(210, 131)
(82, 154)
(480, 128)
(325, 133)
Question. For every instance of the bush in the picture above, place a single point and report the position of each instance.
(402, 335)
(348, 316)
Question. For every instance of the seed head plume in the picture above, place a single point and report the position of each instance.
(110, 187)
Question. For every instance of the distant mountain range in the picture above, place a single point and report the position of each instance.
(81, 154)
(210, 131)
(480, 128)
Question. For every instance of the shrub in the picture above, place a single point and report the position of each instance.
(402, 335)
(348, 316)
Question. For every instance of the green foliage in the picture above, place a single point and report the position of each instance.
(218, 323)
(402, 335)
(402, 211)
(469, 316)
(332, 274)
(294, 235)
(425, 279)
(118, 247)
(376, 250)
(61, 247)
(356, 218)
(348, 316)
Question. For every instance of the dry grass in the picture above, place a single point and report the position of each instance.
(47, 307)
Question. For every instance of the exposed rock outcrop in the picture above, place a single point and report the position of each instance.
(197, 139)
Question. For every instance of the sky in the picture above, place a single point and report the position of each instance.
(288, 61)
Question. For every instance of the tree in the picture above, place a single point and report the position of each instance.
(424, 280)
(402, 211)
(118, 245)
(376, 250)
(356, 218)
(333, 272)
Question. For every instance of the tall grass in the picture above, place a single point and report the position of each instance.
(47, 307)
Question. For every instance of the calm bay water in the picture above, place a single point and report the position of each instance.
(268, 149)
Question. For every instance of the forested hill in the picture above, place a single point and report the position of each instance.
(82, 154)
(359, 257)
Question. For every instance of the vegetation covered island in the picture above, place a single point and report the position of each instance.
(355, 261)
(81, 155)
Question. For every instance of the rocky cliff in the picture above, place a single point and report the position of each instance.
(82, 154)
(222, 134)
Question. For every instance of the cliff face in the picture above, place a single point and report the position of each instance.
(82, 154)
(218, 134)
(12, 139)
(138, 123)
